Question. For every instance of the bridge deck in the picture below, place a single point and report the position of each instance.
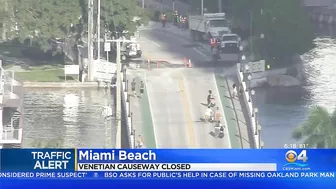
(170, 113)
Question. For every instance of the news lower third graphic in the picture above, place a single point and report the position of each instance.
(166, 163)
(296, 161)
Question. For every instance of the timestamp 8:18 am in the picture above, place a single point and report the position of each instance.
(296, 146)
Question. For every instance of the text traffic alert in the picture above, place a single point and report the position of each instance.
(51, 160)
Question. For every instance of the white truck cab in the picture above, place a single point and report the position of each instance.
(230, 47)
(230, 40)
(208, 25)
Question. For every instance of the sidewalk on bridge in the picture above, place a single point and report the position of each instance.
(141, 111)
(239, 130)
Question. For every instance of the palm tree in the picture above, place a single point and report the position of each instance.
(319, 130)
(52, 143)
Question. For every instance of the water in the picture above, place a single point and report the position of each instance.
(72, 115)
(281, 110)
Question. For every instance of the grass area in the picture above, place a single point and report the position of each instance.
(36, 68)
(42, 75)
(31, 64)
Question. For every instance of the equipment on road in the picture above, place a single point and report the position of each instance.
(208, 25)
(219, 130)
(133, 50)
(129, 49)
(212, 102)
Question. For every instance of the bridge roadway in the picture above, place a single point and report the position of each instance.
(170, 113)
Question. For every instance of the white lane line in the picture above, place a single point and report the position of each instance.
(224, 118)
(158, 45)
(150, 108)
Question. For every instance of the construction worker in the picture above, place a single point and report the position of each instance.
(184, 23)
(133, 85)
(179, 20)
(163, 19)
(213, 42)
(176, 17)
(139, 142)
(142, 88)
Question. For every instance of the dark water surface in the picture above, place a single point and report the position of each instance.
(73, 115)
(283, 109)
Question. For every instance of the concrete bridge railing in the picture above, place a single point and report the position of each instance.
(250, 109)
(126, 100)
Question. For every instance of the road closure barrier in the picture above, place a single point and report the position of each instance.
(148, 63)
(189, 63)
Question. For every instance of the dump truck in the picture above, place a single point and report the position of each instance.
(204, 27)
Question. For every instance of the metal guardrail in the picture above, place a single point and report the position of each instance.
(7, 85)
(126, 103)
(13, 136)
(9, 134)
(235, 111)
(254, 127)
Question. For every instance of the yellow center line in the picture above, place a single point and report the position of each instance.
(187, 113)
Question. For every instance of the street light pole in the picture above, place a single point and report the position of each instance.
(90, 70)
(118, 86)
(143, 4)
(248, 88)
(220, 6)
(173, 5)
(98, 31)
(259, 137)
(251, 32)
(202, 7)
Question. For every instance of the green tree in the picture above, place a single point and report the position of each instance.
(43, 20)
(121, 15)
(284, 23)
(319, 130)
(5, 16)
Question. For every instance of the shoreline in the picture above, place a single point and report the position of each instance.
(29, 84)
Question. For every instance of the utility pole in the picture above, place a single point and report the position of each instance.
(118, 91)
(98, 30)
(220, 6)
(90, 41)
(143, 4)
(251, 33)
(118, 85)
(202, 7)
(173, 5)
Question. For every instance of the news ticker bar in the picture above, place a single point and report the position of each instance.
(176, 167)
(124, 175)
(214, 159)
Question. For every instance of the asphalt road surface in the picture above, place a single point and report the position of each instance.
(177, 95)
